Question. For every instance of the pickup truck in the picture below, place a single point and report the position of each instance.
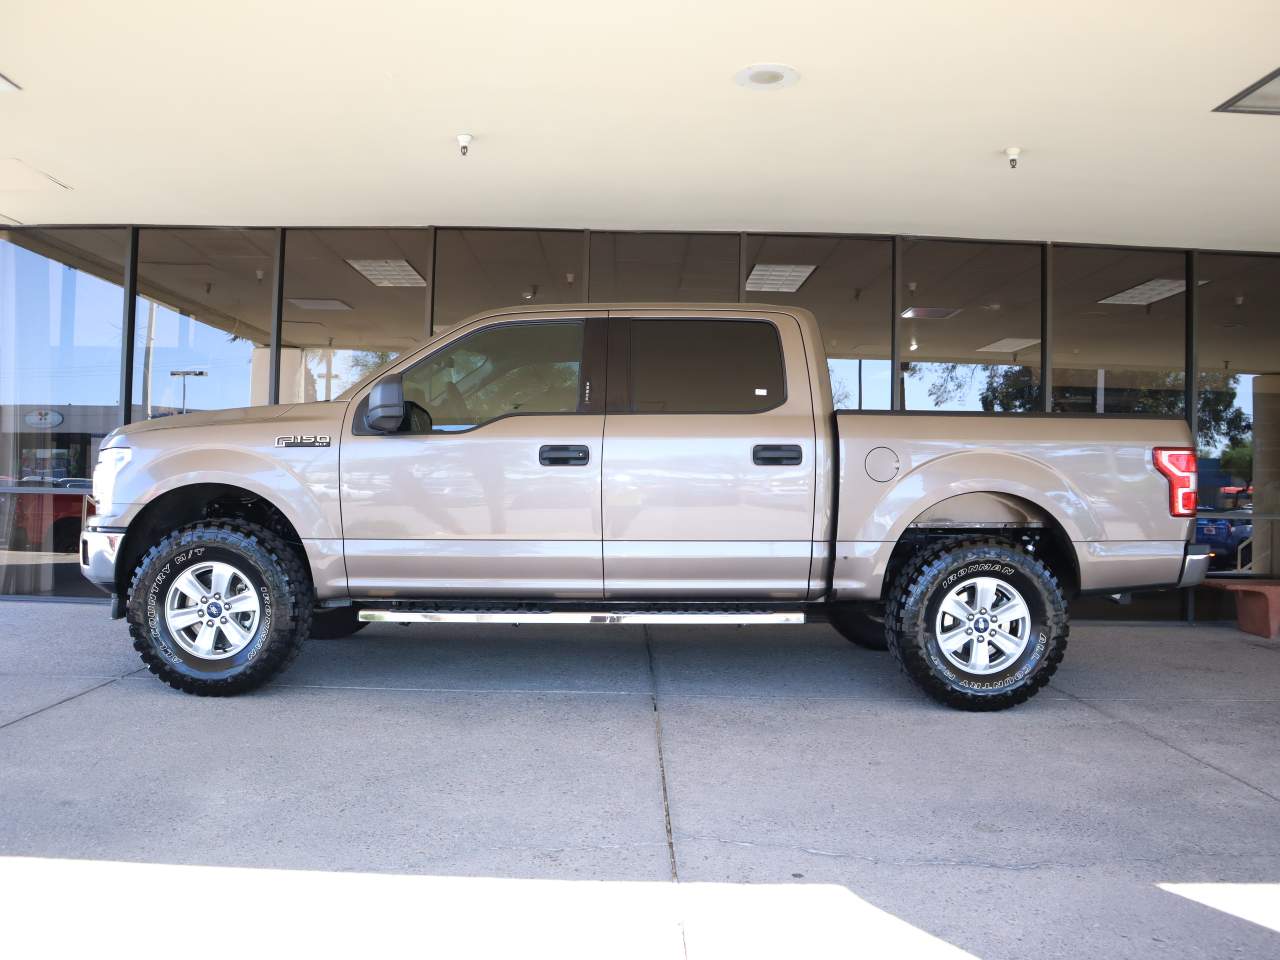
(634, 464)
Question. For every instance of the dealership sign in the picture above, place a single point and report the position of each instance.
(43, 419)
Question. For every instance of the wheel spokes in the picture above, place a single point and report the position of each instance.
(1008, 644)
(979, 656)
(237, 636)
(185, 617)
(191, 587)
(953, 640)
(205, 639)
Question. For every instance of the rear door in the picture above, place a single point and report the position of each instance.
(708, 466)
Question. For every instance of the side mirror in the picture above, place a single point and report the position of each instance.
(386, 405)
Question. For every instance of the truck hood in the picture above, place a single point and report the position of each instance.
(209, 418)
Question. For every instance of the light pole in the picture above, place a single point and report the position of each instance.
(184, 374)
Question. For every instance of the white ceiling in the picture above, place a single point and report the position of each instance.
(611, 115)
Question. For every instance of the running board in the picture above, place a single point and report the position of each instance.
(677, 617)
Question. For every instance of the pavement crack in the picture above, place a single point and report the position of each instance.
(662, 763)
(1092, 705)
(58, 703)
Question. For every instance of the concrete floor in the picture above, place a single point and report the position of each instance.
(534, 790)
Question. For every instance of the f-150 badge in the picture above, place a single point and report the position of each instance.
(305, 440)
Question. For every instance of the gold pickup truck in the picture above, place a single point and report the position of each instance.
(632, 463)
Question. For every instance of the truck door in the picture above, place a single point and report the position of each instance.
(709, 466)
(492, 487)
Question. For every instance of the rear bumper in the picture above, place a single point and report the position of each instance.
(1195, 564)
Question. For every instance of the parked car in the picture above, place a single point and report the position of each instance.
(632, 464)
(1226, 528)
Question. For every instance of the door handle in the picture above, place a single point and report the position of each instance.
(571, 455)
(776, 454)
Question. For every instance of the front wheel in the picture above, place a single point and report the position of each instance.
(218, 608)
(978, 625)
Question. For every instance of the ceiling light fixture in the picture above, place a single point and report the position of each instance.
(319, 303)
(388, 273)
(766, 76)
(1261, 97)
(1013, 153)
(464, 142)
(1009, 345)
(8, 86)
(1150, 291)
(930, 313)
(914, 346)
(779, 277)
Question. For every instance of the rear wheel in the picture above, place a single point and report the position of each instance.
(859, 625)
(219, 608)
(978, 625)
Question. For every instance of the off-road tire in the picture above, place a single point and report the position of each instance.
(281, 580)
(920, 588)
(859, 625)
(335, 624)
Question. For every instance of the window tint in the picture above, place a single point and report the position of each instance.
(705, 366)
(516, 368)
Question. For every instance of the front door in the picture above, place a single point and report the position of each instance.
(708, 458)
(492, 486)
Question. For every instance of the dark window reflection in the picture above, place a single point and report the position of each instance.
(681, 267)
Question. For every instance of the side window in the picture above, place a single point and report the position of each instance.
(513, 368)
(705, 366)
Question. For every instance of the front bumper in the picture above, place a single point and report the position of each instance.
(98, 548)
(1195, 564)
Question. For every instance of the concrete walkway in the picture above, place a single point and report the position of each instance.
(535, 791)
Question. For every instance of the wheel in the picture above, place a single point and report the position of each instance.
(218, 608)
(978, 625)
(859, 625)
(335, 624)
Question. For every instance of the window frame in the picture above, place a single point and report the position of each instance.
(591, 372)
(621, 399)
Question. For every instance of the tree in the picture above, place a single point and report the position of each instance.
(1237, 460)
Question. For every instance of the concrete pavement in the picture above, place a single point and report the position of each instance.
(540, 787)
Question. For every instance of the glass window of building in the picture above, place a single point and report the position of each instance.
(689, 267)
(353, 300)
(1119, 331)
(202, 330)
(61, 304)
(486, 269)
(969, 326)
(1238, 420)
(845, 283)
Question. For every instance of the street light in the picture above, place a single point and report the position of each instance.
(184, 374)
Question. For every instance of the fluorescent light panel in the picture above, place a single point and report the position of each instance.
(930, 313)
(779, 277)
(319, 303)
(1150, 291)
(1009, 345)
(389, 273)
(1261, 97)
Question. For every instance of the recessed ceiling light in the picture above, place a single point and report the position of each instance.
(779, 277)
(389, 273)
(1260, 97)
(7, 85)
(1150, 291)
(1009, 345)
(319, 303)
(930, 313)
(766, 76)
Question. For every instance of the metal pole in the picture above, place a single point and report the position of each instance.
(127, 319)
(1046, 326)
(277, 319)
(895, 309)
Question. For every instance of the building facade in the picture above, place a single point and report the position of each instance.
(101, 326)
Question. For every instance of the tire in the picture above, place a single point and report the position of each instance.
(335, 624)
(271, 588)
(859, 625)
(956, 570)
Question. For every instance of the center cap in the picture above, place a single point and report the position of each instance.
(982, 624)
(214, 608)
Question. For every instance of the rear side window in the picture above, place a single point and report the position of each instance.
(705, 366)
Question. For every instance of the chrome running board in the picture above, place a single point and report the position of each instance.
(651, 617)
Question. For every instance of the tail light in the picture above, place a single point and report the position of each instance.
(1178, 464)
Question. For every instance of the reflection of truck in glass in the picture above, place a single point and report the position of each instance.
(652, 464)
(1226, 528)
(47, 517)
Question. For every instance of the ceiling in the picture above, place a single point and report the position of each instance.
(589, 114)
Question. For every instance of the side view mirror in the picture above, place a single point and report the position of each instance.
(386, 405)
